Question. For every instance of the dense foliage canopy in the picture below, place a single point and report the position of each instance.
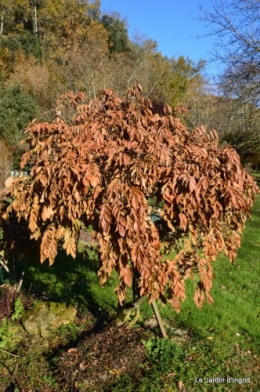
(111, 163)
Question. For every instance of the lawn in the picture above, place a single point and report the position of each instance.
(215, 348)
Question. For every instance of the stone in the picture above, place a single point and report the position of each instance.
(45, 317)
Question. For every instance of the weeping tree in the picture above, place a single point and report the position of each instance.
(115, 164)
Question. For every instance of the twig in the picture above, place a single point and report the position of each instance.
(2, 262)
(15, 382)
(20, 283)
(7, 352)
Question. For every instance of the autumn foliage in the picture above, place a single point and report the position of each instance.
(109, 163)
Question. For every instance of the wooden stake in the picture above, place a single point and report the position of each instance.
(159, 319)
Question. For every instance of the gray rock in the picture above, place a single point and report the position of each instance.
(45, 317)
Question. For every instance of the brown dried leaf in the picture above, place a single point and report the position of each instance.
(47, 212)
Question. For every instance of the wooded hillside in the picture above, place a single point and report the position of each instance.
(49, 47)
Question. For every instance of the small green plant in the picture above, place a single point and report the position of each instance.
(162, 352)
(9, 335)
(123, 383)
(68, 331)
(34, 368)
(4, 334)
(9, 330)
(18, 310)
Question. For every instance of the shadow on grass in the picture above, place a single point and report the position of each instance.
(70, 281)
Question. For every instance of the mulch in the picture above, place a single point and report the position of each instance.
(100, 358)
(8, 295)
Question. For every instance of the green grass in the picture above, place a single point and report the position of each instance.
(236, 308)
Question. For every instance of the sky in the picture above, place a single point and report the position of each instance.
(173, 24)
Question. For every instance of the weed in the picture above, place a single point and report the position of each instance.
(68, 332)
(10, 335)
(18, 309)
(34, 369)
(162, 352)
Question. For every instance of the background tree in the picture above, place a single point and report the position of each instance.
(237, 121)
(86, 52)
(16, 110)
(236, 27)
(118, 34)
(34, 79)
(15, 15)
(86, 63)
(110, 163)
